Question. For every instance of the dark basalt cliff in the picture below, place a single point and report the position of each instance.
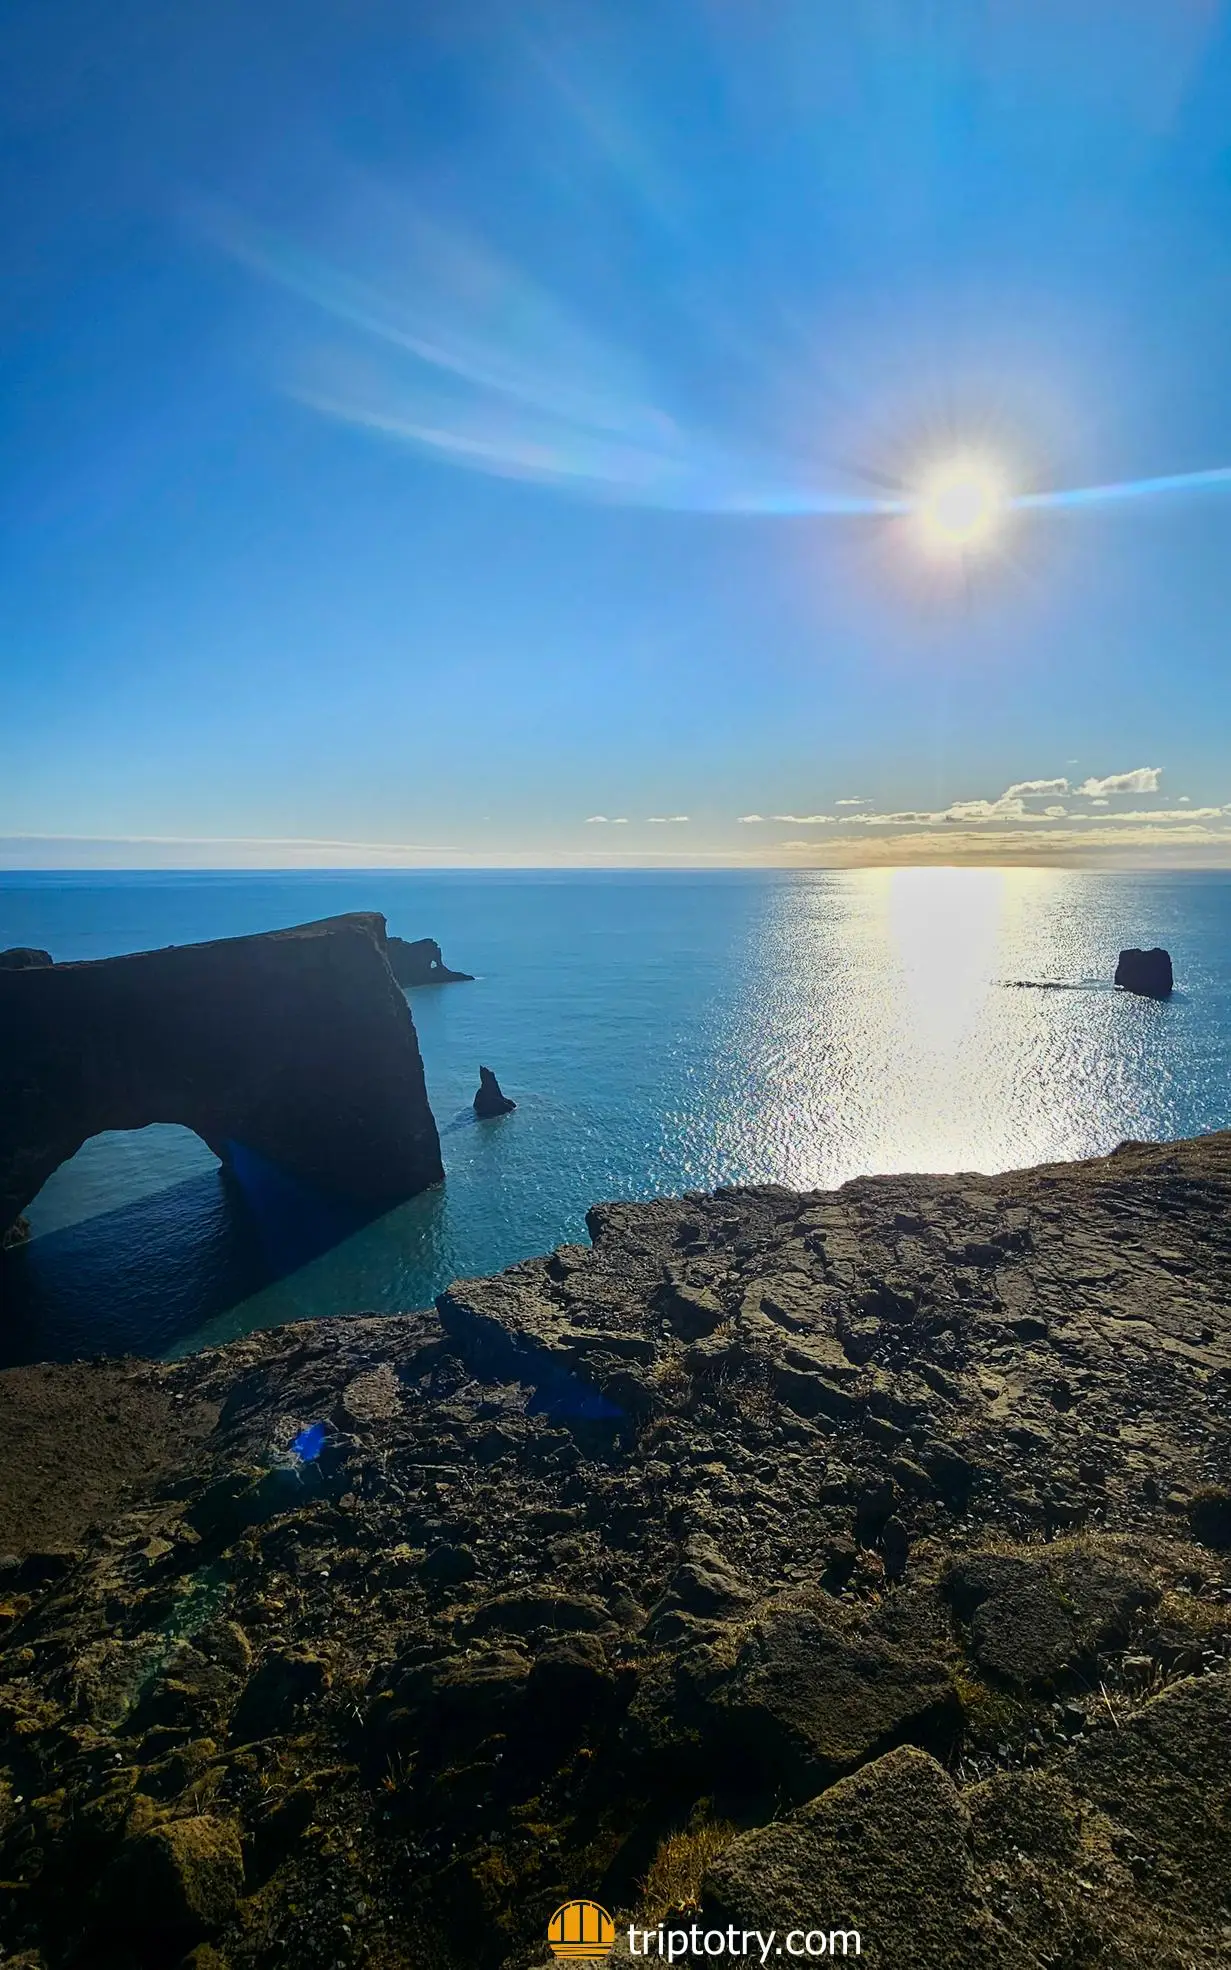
(850, 1560)
(295, 1046)
(420, 963)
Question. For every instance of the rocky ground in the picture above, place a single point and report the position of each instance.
(850, 1560)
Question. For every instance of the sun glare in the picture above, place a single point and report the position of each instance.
(960, 505)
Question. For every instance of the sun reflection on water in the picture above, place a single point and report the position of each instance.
(888, 1036)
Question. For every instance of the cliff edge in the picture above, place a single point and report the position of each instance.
(848, 1561)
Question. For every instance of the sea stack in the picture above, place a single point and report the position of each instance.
(490, 1100)
(1146, 972)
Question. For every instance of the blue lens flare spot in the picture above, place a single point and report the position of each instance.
(309, 1443)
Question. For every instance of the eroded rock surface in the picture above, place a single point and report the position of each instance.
(847, 1561)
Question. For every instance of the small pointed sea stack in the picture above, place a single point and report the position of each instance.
(1146, 972)
(489, 1100)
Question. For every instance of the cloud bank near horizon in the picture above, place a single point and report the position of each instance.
(1040, 821)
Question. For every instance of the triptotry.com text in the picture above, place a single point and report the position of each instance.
(760, 1944)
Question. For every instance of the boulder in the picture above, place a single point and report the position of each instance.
(812, 1695)
(293, 1050)
(24, 957)
(1162, 1778)
(490, 1100)
(1037, 1620)
(1146, 972)
(885, 1854)
(183, 1876)
(420, 963)
(789, 1697)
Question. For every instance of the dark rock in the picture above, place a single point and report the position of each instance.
(1146, 972)
(895, 1547)
(1210, 1517)
(182, 1877)
(295, 1049)
(569, 1680)
(840, 1556)
(692, 1312)
(1163, 1777)
(811, 1696)
(24, 957)
(489, 1100)
(884, 1853)
(16, 1234)
(1036, 1619)
(702, 1585)
(449, 1565)
(873, 1508)
(536, 1610)
(440, 1707)
(420, 963)
(950, 1469)
(285, 1682)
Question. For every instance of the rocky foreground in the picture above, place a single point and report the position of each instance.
(850, 1560)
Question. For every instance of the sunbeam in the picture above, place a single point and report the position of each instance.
(466, 357)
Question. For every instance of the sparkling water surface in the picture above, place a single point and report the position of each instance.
(659, 1032)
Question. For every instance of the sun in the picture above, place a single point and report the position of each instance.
(960, 505)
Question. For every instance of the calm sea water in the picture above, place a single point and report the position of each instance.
(659, 1032)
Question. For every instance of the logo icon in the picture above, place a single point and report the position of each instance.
(580, 1931)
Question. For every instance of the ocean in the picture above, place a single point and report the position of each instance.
(659, 1032)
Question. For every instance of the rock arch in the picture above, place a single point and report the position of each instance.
(296, 1046)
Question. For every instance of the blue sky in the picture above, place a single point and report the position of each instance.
(502, 433)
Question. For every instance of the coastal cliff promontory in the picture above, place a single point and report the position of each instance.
(295, 1047)
(419, 962)
(853, 1560)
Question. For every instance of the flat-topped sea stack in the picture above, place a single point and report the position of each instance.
(853, 1561)
(1146, 972)
(419, 962)
(295, 1047)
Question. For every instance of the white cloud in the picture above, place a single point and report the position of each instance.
(1142, 779)
(1019, 804)
(746, 820)
(665, 820)
(1005, 809)
(1028, 788)
(909, 818)
(606, 820)
(1168, 814)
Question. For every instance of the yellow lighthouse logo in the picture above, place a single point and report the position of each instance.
(580, 1930)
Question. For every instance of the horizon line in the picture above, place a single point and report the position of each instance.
(1096, 865)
